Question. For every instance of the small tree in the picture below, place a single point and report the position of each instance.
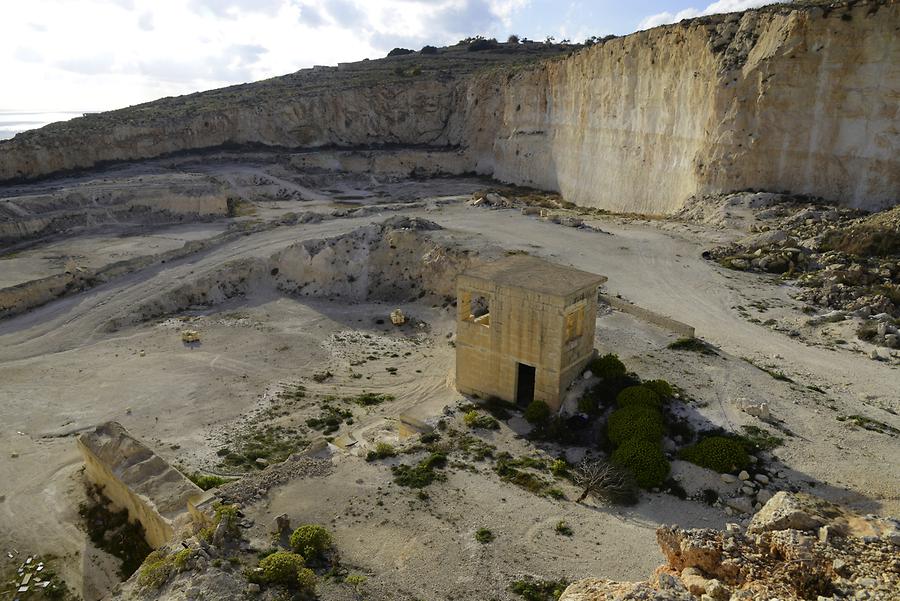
(537, 412)
(513, 39)
(604, 481)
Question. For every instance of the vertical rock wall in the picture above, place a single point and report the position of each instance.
(805, 101)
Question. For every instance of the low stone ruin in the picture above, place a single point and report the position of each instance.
(135, 478)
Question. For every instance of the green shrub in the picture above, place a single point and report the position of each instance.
(692, 344)
(662, 388)
(563, 528)
(588, 404)
(368, 399)
(482, 44)
(608, 367)
(311, 540)
(638, 396)
(555, 493)
(474, 420)
(227, 514)
(539, 590)
(537, 412)
(559, 468)
(635, 422)
(756, 438)
(422, 474)
(181, 559)
(604, 393)
(287, 569)
(644, 459)
(484, 536)
(207, 481)
(382, 450)
(717, 453)
(156, 569)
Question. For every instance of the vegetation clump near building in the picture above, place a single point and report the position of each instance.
(608, 367)
(645, 423)
(645, 459)
(537, 412)
(636, 428)
(639, 396)
(476, 420)
(720, 453)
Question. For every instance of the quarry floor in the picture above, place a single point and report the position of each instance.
(62, 370)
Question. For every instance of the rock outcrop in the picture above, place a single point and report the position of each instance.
(135, 478)
(796, 547)
(800, 97)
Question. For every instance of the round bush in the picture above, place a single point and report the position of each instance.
(638, 396)
(608, 367)
(635, 422)
(311, 540)
(286, 568)
(537, 412)
(662, 388)
(717, 453)
(644, 459)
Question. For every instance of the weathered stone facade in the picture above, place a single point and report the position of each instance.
(525, 329)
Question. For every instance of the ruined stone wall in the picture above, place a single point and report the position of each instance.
(136, 479)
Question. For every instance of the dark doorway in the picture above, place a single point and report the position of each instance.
(525, 385)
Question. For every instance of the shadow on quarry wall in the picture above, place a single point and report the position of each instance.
(400, 259)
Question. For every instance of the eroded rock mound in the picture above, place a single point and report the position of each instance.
(796, 547)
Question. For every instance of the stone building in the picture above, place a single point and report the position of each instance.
(525, 329)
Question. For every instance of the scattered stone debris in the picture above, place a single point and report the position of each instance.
(844, 261)
(255, 485)
(796, 547)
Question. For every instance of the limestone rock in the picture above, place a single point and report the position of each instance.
(509, 135)
(280, 524)
(795, 511)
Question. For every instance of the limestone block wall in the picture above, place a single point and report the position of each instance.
(135, 478)
(524, 327)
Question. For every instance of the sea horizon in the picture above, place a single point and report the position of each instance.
(13, 121)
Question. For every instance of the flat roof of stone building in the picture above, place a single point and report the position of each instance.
(538, 275)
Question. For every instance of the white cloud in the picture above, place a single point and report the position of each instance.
(721, 6)
(103, 54)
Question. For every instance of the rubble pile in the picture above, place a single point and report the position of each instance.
(545, 205)
(796, 547)
(841, 259)
(254, 486)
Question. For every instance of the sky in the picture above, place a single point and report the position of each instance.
(71, 56)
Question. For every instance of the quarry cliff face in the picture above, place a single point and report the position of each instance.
(799, 99)
(803, 100)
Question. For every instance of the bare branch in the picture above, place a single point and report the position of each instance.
(605, 482)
